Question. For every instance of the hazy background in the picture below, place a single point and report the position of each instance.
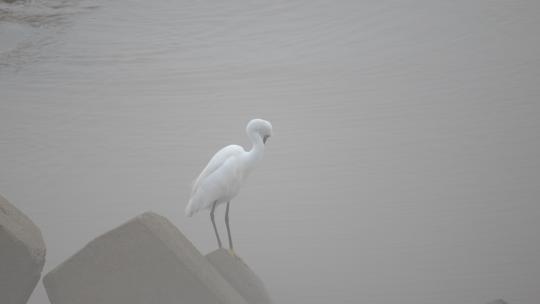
(404, 166)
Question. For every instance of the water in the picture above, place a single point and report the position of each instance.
(404, 166)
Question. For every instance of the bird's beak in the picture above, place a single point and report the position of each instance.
(265, 138)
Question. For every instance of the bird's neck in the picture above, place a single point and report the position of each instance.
(257, 148)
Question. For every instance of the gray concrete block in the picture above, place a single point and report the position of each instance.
(240, 276)
(146, 260)
(498, 301)
(22, 254)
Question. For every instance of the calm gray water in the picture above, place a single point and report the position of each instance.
(404, 166)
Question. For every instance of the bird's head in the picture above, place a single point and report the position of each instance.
(260, 127)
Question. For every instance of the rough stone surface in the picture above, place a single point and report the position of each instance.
(22, 254)
(146, 260)
(240, 276)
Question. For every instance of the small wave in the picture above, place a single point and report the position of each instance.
(25, 25)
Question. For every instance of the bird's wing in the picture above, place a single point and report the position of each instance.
(217, 161)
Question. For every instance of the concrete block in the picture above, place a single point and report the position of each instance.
(146, 260)
(498, 301)
(240, 276)
(22, 254)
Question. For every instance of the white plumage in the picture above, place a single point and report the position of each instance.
(221, 179)
(217, 180)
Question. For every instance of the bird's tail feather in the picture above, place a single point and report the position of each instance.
(190, 208)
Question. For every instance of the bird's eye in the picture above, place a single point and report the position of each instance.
(265, 138)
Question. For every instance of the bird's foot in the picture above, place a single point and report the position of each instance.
(232, 253)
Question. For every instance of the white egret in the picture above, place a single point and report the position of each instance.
(221, 179)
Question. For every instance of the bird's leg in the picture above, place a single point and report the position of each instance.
(214, 223)
(228, 228)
